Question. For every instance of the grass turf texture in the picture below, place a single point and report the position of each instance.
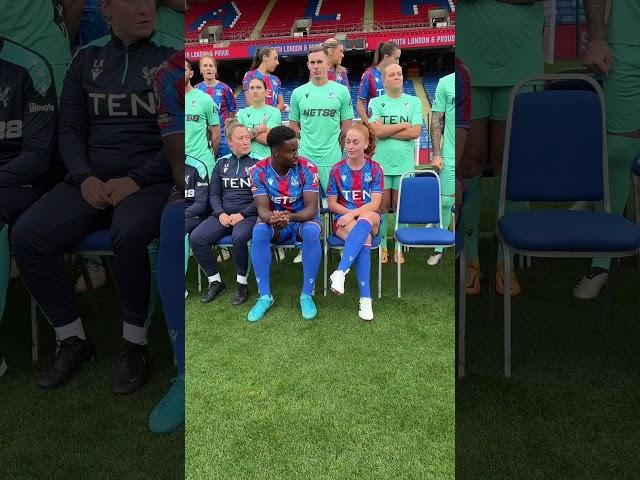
(82, 430)
(570, 409)
(332, 398)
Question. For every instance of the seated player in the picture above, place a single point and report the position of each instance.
(27, 138)
(196, 200)
(234, 213)
(117, 178)
(354, 195)
(285, 189)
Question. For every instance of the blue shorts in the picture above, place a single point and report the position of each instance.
(290, 233)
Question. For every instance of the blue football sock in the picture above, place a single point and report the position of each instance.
(311, 255)
(353, 244)
(261, 256)
(171, 277)
(363, 271)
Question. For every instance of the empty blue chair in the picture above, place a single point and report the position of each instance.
(419, 203)
(550, 136)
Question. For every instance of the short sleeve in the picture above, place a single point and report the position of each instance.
(440, 102)
(378, 179)
(416, 116)
(294, 108)
(373, 110)
(275, 118)
(346, 112)
(212, 113)
(258, 186)
(311, 178)
(363, 91)
(230, 100)
(332, 188)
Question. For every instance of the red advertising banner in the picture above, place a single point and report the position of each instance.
(425, 38)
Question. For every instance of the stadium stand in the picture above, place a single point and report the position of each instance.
(237, 18)
(406, 12)
(430, 82)
(335, 15)
(566, 12)
(282, 17)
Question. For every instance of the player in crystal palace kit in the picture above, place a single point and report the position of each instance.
(264, 63)
(354, 194)
(322, 112)
(169, 81)
(222, 96)
(372, 83)
(335, 51)
(200, 114)
(285, 189)
(396, 117)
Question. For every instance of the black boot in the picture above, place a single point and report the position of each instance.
(241, 295)
(72, 353)
(215, 288)
(131, 371)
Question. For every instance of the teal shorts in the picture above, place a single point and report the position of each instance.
(392, 182)
(622, 89)
(490, 102)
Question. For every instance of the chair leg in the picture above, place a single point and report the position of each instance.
(398, 247)
(462, 319)
(326, 266)
(608, 300)
(34, 331)
(507, 311)
(492, 278)
(379, 271)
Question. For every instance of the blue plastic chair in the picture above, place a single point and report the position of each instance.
(565, 131)
(419, 203)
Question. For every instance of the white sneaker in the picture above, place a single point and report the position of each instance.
(186, 293)
(298, 258)
(434, 259)
(14, 273)
(583, 206)
(366, 309)
(224, 255)
(337, 281)
(591, 284)
(97, 276)
(281, 254)
(3, 365)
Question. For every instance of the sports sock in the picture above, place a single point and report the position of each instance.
(73, 329)
(261, 257)
(622, 151)
(470, 221)
(215, 278)
(241, 279)
(311, 255)
(363, 271)
(354, 242)
(134, 333)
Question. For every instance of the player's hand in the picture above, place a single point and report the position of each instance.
(120, 188)
(406, 125)
(346, 219)
(279, 219)
(236, 218)
(262, 128)
(597, 56)
(225, 220)
(437, 162)
(94, 193)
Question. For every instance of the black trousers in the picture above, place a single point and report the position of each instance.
(15, 200)
(60, 219)
(210, 231)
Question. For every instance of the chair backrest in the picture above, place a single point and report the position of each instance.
(555, 145)
(419, 198)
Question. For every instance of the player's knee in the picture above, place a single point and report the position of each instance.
(24, 239)
(196, 238)
(261, 234)
(310, 232)
(448, 200)
(130, 237)
(371, 217)
(472, 163)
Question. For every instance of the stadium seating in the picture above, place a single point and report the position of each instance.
(237, 17)
(430, 82)
(406, 12)
(282, 17)
(566, 12)
(335, 15)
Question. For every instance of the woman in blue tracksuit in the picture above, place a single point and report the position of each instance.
(234, 213)
(117, 178)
